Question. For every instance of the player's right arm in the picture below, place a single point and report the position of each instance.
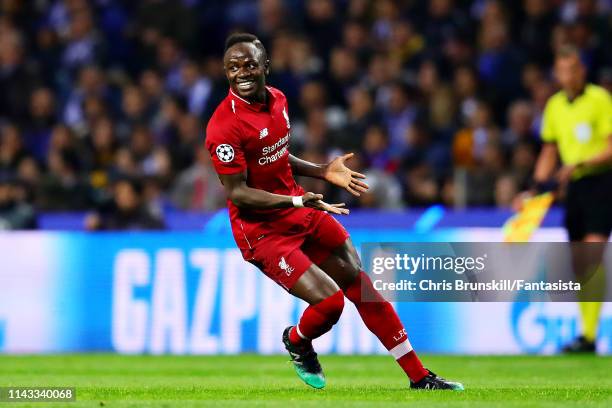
(244, 196)
(548, 159)
(546, 163)
(225, 145)
(543, 172)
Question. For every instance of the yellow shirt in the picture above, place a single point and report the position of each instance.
(580, 128)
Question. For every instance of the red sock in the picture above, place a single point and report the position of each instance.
(318, 319)
(295, 338)
(382, 320)
(412, 366)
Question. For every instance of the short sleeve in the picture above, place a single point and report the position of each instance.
(605, 116)
(225, 147)
(547, 132)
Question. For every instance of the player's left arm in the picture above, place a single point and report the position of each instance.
(604, 128)
(604, 157)
(334, 172)
(305, 168)
(600, 159)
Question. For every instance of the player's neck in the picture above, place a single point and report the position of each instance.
(572, 94)
(261, 97)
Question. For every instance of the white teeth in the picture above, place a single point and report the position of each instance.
(245, 85)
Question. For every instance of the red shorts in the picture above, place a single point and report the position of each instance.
(290, 246)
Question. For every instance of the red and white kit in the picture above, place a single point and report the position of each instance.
(251, 137)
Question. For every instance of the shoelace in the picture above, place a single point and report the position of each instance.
(310, 362)
(307, 359)
(433, 377)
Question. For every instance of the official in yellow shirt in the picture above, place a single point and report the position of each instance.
(577, 128)
(580, 127)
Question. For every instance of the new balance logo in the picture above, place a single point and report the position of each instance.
(263, 133)
(285, 266)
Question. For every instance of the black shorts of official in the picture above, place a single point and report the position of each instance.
(588, 206)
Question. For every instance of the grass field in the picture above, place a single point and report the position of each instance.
(269, 381)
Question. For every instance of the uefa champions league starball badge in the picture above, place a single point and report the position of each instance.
(225, 153)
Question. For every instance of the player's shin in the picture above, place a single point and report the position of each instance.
(318, 319)
(382, 320)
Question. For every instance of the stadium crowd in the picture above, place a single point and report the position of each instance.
(103, 103)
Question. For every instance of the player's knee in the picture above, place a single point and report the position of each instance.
(324, 290)
(362, 289)
(347, 276)
(352, 273)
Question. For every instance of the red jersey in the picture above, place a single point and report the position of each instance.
(251, 137)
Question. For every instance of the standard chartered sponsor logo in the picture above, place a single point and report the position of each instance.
(267, 150)
(274, 157)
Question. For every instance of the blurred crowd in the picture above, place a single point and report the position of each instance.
(103, 103)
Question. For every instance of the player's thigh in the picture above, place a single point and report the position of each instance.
(589, 222)
(598, 221)
(574, 218)
(343, 265)
(314, 285)
(323, 235)
(281, 259)
(588, 209)
(325, 232)
(329, 246)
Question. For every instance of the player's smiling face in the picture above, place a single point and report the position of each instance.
(246, 69)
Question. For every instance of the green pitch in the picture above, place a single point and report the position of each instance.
(269, 381)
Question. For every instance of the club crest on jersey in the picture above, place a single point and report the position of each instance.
(225, 153)
(285, 266)
(263, 133)
(286, 118)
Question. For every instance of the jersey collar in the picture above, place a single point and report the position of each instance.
(254, 106)
(578, 95)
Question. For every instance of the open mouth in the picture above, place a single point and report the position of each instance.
(245, 85)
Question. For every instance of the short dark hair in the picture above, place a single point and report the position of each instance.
(568, 50)
(236, 38)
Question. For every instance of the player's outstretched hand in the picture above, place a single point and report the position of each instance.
(340, 175)
(315, 201)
